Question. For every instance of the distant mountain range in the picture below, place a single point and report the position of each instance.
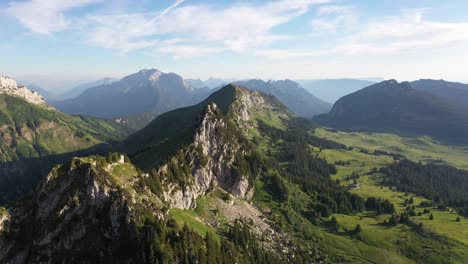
(395, 107)
(77, 90)
(137, 99)
(330, 90)
(210, 83)
(72, 93)
(48, 96)
(147, 91)
(291, 94)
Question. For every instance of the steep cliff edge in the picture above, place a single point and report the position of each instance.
(85, 205)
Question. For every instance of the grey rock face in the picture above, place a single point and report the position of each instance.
(219, 152)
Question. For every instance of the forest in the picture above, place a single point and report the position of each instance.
(312, 173)
(445, 185)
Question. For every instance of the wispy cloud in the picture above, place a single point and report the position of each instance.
(44, 17)
(334, 17)
(408, 33)
(236, 27)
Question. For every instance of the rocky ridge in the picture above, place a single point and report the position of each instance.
(10, 87)
(217, 145)
(71, 206)
(211, 165)
(89, 202)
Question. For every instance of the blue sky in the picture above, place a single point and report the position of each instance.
(58, 42)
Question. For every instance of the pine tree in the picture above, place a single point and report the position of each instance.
(334, 224)
(358, 229)
(431, 217)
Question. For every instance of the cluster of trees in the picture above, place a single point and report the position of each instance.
(162, 241)
(299, 130)
(342, 163)
(243, 239)
(312, 173)
(396, 219)
(249, 164)
(381, 206)
(443, 184)
(385, 153)
(354, 176)
(377, 152)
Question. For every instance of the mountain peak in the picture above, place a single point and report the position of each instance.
(7, 82)
(148, 71)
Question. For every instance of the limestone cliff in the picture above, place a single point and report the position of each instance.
(217, 148)
(10, 87)
(210, 158)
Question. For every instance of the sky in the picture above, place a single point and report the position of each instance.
(58, 43)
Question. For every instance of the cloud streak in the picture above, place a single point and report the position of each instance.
(44, 17)
(236, 27)
(334, 17)
(409, 33)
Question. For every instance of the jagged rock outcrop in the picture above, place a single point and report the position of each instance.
(80, 205)
(10, 87)
(210, 160)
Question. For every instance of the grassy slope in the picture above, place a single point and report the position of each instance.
(422, 149)
(377, 242)
(34, 138)
(35, 131)
(398, 108)
(417, 149)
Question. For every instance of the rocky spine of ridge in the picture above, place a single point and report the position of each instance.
(10, 87)
(219, 138)
(77, 208)
(210, 162)
(93, 203)
(92, 195)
